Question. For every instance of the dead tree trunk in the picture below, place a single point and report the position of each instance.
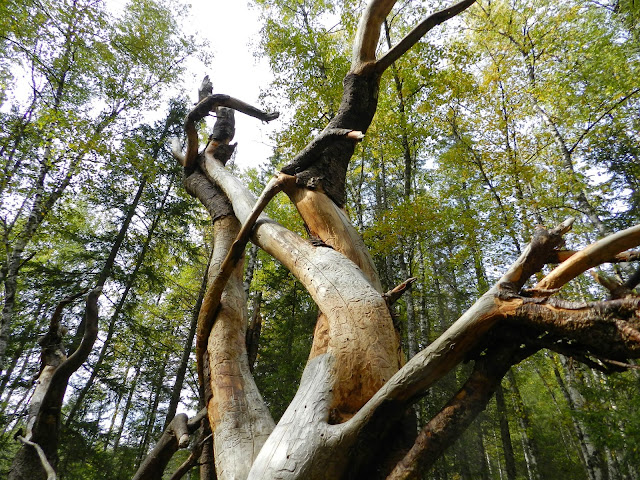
(38, 456)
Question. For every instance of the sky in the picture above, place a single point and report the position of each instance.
(233, 31)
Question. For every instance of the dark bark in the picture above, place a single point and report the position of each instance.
(253, 331)
(459, 412)
(324, 165)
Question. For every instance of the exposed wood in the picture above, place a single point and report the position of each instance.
(358, 318)
(368, 34)
(594, 255)
(329, 223)
(233, 258)
(239, 419)
(208, 104)
(303, 444)
(393, 295)
(453, 346)
(628, 256)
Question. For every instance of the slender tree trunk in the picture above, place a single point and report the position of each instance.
(575, 400)
(505, 435)
(131, 280)
(152, 410)
(5, 380)
(114, 416)
(412, 340)
(528, 444)
(186, 352)
(127, 407)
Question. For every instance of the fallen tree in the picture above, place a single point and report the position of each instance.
(351, 416)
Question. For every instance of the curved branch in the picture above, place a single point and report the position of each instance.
(213, 295)
(593, 255)
(420, 31)
(153, 466)
(52, 399)
(78, 357)
(209, 104)
(368, 34)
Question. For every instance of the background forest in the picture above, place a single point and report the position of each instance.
(516, 114)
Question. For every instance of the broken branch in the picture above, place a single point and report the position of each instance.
(207, 105)
(395, 293)
(595, 254)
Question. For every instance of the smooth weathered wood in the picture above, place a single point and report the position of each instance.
(357, 315)
(368, 34)
(304, 444)
(331, 225)
(208, 104)
(596, 254)
(239, 419)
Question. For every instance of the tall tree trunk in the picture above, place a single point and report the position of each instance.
(186, 352)
(575, 400)
(127, 408)
(505, 435)
(131, 280)
(530, 449)
(152, 410)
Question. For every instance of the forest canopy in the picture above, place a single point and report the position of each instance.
(425, 190)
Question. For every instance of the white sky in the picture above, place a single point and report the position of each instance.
(233, 31)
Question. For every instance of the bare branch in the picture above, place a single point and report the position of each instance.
(212, 298)
(368, 34)
(560, 256)
(595, 254)
(420, 31)
(444, 428)
(172, 438)
(209, 104)
(616, 288)
(395, 293)
(455, 344)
